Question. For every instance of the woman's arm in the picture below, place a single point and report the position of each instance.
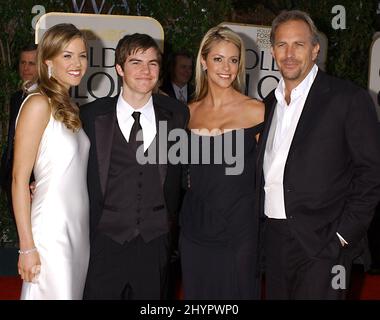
(32, 121)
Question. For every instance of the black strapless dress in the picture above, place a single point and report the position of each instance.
(219, 228)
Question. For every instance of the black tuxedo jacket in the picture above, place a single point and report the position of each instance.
(7, 158)
(99, 119)
(167, 87)
(332, 173)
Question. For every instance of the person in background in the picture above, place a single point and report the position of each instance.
(177, 84)
(27, 70)
(53, 228)
(318, 168)
(219, 230)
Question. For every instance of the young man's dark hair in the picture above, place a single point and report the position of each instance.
(129, 44)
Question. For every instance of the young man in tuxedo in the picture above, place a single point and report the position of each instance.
(131, 204)
(27, 70)
(319, 168)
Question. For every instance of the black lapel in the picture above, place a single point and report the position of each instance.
(104, 132)
(270, 105)
(313, 108)
(171, 92)
(162, 115)
(167, 87)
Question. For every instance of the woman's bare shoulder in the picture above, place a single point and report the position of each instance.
(254, 109)
(36, 107)
(255, 104)
(194, 105)
(37, 101)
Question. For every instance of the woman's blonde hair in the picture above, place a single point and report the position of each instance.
(214, 35)
(53, 42)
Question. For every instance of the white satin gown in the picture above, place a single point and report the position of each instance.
(60, 214)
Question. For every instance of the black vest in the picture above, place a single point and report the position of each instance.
(134, 201)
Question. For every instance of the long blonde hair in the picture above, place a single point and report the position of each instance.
(53, 43)
(217, 34)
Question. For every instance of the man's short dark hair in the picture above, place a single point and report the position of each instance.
(29, 47)
(182, 53)
(173, 60)
(132, 43)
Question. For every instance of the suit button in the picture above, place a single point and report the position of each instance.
(138, 220)
(289, 189)
(290, 217)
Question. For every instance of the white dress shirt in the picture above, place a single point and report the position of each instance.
(28, 90)
(283, 127)
(180, 91)
(147, 119)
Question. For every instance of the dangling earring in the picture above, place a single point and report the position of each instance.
(49, 71)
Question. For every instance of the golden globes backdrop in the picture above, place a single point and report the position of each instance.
(103, 33)
(262, 74)
(374, 74)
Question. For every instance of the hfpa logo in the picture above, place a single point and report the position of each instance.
(99, 9)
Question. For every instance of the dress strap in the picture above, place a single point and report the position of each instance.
(260, 127)
(257, 128)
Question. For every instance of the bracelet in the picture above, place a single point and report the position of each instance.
(27, 251)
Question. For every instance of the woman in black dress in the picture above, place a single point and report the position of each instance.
(219, 229)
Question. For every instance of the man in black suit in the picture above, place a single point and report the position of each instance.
(319, 165)
(177, 84)
(131, 203)
(27, 69)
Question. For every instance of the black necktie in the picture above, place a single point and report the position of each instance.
(135, 144)
(135, 129)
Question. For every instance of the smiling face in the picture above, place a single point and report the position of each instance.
(294, 52)
(222, 63)
(69, 66)
(140, 72)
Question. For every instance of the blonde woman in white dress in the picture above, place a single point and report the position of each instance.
(53, 228)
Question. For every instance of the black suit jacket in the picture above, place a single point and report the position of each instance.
(332, 173)
(99, 119)
(7, 158)
(167, 87)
